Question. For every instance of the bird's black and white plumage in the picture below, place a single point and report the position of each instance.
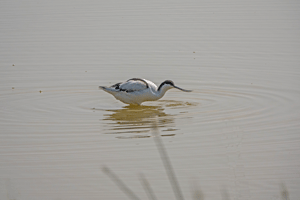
(138, 90)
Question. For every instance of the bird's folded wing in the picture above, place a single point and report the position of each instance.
(133, 85)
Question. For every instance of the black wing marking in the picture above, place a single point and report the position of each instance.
(126, 90)
(116, 86)
(139, 79)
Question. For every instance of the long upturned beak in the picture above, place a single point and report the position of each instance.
(182, 89)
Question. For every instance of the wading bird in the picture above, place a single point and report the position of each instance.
(138, 90)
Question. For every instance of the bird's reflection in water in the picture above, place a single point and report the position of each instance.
(135, 121)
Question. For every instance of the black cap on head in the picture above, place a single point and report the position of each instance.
(169, 82)
(166, 82)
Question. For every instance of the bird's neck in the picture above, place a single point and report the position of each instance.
(161, 92)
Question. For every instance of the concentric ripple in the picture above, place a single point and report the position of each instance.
(248, 106)
(71, 110)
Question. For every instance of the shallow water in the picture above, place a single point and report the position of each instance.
(236, 136)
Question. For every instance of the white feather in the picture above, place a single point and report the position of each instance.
(137, 91)
(133, 85)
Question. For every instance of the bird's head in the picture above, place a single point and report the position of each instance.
(168, 84)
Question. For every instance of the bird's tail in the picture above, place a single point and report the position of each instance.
(107, 89)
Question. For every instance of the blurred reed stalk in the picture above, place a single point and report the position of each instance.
(147, 188)
(197, 194)
(166, 161)
(119, 183)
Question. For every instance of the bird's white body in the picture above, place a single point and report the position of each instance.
(137, 90)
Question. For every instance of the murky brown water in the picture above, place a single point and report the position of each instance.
(236, 136)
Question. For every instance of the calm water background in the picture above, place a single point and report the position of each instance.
(236, 135)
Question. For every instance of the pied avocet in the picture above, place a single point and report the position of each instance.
(138, 90)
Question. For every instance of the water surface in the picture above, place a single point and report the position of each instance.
(235, 136)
